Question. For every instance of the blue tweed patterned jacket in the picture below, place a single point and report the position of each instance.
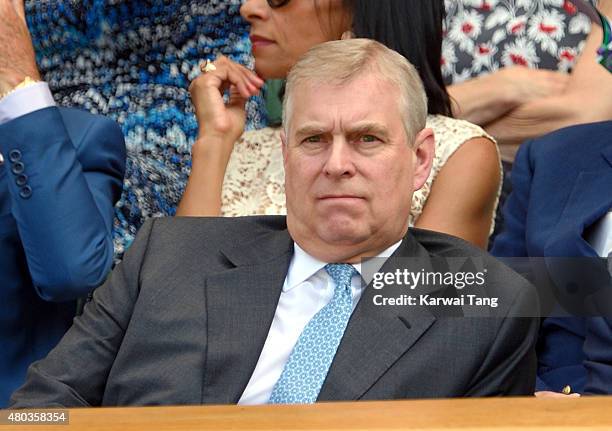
(132, 60)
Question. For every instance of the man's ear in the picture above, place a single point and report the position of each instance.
(424, 151)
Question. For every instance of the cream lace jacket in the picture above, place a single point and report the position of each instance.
(254, 180)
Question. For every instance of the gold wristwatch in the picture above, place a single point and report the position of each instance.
(27, 81)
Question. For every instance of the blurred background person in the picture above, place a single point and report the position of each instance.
(561, 206)
(60, 174)
(522, 69)
(560, 210)
(132, 61)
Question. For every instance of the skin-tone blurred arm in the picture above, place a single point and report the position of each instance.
(202, 196)
(220, 126)
(487, 98)
(463, 194)
(587, 98)
(17, 58)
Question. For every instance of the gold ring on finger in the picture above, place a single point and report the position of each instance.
(207, 66)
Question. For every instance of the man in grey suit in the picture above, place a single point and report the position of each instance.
(273, 309)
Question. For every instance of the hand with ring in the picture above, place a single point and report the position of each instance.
(217, 119)
(207, 66)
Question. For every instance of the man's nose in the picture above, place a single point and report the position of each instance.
(339, 161)
(253, 10)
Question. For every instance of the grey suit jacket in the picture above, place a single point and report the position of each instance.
(183, 319)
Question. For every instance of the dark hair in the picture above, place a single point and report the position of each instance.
(414, 29)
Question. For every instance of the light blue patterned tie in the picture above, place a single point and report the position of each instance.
(312, 355)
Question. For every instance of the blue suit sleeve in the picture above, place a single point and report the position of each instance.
(65, 171)
(511, 242)
(598, 361)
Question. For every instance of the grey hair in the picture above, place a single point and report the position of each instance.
(340, 61)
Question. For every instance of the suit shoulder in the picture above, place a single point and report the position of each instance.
(569, 141)
(444, 245)
(501, 279)
(80, 123)
(218, 230)
(190, 241)
(75, 117)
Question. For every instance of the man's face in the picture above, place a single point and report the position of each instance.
(349, 170)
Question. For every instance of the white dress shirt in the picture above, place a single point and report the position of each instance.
(306, 290)
(600, 236)
(24, 101)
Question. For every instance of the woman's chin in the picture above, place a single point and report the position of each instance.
(269, 71)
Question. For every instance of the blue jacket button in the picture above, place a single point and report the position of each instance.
(21, 180)
(25, 192)
(18, 168)
(14, 155)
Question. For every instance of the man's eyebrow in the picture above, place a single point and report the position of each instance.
(362, 128)
(313, 129)
(310, 129)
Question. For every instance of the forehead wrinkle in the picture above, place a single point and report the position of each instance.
(311, 128)
(368, 126)
(343, 111)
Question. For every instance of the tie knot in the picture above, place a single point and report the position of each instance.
(341, 273)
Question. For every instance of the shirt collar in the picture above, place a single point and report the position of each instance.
(303, 265)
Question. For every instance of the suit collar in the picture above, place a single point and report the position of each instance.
(303, 265)
(266, 247)
(240, 305)
(607, 153)
(589, 200)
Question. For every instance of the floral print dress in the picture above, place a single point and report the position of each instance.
(482, 36)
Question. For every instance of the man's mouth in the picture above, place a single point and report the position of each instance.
(339, 197)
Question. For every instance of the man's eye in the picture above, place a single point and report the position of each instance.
(313, 139)
(369, 138)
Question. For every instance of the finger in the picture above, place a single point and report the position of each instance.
(236, 99)
(228, 73)
(251, 76)
(347, 35)
(251, 81)
(252, 87)
(19, 6)
(550, 394)
(241, 83)
(254, 82)
(223, 78)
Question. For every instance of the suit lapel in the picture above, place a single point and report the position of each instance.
(607, 154)
(580, 280)
(376, 336)
(240, 306)
(589, 200)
